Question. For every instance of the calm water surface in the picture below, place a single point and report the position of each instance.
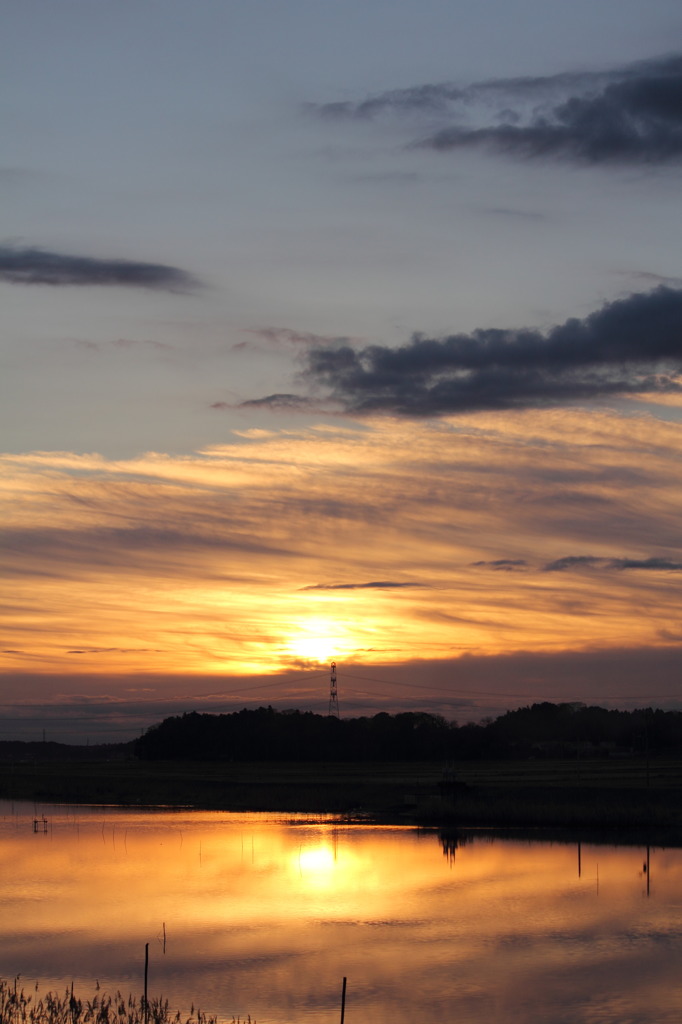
(266, 915)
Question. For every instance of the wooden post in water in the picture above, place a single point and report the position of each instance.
(146, 977)
(343, 1000)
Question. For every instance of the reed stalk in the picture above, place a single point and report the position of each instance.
(18, 1007)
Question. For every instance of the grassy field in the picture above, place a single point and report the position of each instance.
(618, 793)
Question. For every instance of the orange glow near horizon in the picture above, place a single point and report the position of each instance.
(319, 641)
(286, 550)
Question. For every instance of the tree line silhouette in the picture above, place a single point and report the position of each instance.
(540, 730)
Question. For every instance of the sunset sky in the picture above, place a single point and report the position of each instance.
(338, 331)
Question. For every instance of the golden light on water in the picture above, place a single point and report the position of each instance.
(263, 917)
(317, 866)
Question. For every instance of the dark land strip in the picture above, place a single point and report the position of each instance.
(632, 794)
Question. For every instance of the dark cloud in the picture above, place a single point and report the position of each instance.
(619, 564)
(374, 585)
(38, 266)
(438, 98)
(629, 122)
(573, 562)
(448, 99)
(629, 346)
(116, 650)
(655, 564)
(629, 115)
(287, 336)
(669, 636)
(503, 565)
(277, 401)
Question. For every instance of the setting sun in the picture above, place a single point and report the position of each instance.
(318, 640)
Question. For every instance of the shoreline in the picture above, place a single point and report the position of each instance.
(596, 796)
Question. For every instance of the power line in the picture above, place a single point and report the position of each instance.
(496, 693)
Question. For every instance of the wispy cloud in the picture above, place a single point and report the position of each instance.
(543, 530)
(654, 564)
(628, 347)
(133, 343)
(503, 564)
(99, 548)
(114, 650)
(654, 279)
(629, 115)
(374, 585)
(289, 336)
(570, 563)
(34, 266)
(286, 401)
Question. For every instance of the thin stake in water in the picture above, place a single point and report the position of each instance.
(146, 978)
(343, 1000)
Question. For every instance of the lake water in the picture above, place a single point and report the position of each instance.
(264, 915)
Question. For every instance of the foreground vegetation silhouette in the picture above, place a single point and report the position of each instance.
(19, 1007)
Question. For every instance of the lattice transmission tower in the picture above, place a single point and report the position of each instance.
(333, 695)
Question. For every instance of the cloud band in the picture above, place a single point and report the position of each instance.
(629, 346)
(41, 267)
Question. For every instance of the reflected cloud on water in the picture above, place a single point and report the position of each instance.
(262, 914)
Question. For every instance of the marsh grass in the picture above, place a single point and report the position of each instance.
(18, 1007)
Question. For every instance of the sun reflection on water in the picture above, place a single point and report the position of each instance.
(317, 864)
(265, 916)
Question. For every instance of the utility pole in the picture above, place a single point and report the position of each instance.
(333, 696)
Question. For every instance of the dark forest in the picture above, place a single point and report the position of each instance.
(542, 730)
